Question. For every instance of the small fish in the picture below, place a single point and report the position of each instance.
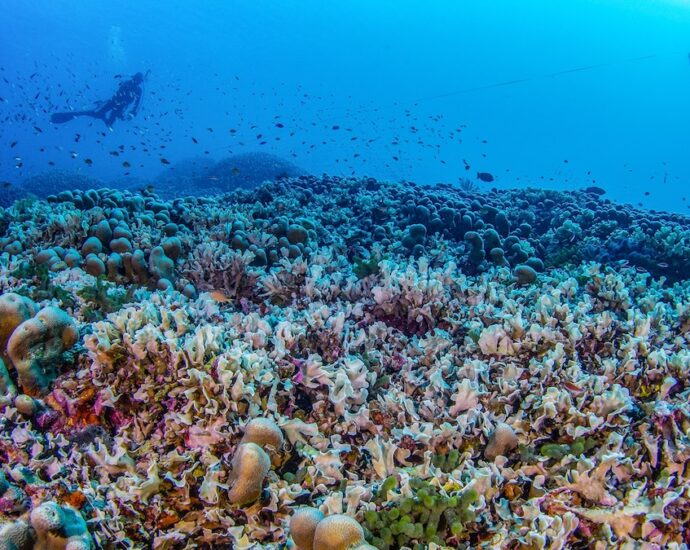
(164, 161)
(194, 140)
(235, 171)
(88, 162)
(219, 296)
(12, 145)
(126, 164)
(485, 177)
(6, 184)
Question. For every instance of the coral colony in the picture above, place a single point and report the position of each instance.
(331, 364)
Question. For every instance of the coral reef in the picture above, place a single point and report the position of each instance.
(53, 182)
(202, 176)
(347, 363)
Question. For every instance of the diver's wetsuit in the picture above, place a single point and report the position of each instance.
(124, 104)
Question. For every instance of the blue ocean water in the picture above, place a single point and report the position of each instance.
(551, 94)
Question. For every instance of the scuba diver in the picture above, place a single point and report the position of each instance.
(123, 105)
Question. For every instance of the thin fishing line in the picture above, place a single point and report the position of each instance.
(493, 85)
(532, 78)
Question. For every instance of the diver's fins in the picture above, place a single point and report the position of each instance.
(59, 118)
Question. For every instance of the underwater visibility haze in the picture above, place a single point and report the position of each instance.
(335, 276)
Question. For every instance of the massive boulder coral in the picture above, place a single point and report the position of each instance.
(338, 532)
(37, 345)
(17, 535)
(250, 464)
(311, 530)
(14, 310)
(251, 461)
(303, 526)
(49, 527)
(59, 528)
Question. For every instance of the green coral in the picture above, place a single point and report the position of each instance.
(363, 268)
(102, 298)
(560, 450)
(42, 288)
(430, 516)
(447, 462)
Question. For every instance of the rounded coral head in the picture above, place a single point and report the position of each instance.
(46, 517)
(78, 544)
(338, 532)
(264, 432)
(303, 526)
(17, 534)
(14, 310)
(502, 440)
(249, 468)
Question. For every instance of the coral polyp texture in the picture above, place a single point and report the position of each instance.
(337, 363)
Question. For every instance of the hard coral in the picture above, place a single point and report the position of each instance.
(59, 528)
(303, 526)
(250, 464)
(265, 433)
(17, 535)
(338, 532)
(14, 310)
(37, 345)
(502, 440)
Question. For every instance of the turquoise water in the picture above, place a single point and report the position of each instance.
(398, 78)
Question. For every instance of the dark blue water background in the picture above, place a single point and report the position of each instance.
(384, 73)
